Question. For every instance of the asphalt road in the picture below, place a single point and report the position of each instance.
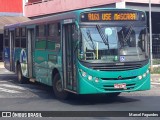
(38, 97)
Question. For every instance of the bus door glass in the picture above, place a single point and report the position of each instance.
(69, 56)
(30, 51)
(12, 50)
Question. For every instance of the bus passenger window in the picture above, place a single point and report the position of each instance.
(37, 31)
(23, 43)
(17, 43)
(54, 30)
(6, 43)
(23, 32)
(6, 33)
(17, 32)
(40, 31)
(53, 42)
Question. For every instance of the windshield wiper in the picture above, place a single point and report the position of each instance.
(89, 36)
(104, 38)
(128, 34)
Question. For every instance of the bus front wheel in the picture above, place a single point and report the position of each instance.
(58, 89)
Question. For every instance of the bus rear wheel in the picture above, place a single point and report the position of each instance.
(57, 88)
(20, 77)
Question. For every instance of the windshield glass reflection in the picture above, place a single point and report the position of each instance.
(113, 44)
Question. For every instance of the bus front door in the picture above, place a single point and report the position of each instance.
(12, 65)
(30, 52)
(69, 70)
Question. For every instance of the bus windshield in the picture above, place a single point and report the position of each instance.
(113, 44)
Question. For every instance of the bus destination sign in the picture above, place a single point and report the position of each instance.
(109, 16)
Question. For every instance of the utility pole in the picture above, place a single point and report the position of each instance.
(150, 32)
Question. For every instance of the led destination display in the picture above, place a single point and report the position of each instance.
(110, 16)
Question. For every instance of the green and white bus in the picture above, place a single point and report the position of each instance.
(88, 51)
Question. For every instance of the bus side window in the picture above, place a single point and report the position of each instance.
(141, 41)
(6, 44)
(53, 31)
(6, 38)
(41, 39)
(23, 33)
(23, 43)
(37, 31)
(17, 37)
(23, 37)
(6, 33)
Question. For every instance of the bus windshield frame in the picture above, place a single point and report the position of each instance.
(113, 44)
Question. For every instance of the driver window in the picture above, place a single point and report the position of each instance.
(141, 39)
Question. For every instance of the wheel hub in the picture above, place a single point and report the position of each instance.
(59, 86)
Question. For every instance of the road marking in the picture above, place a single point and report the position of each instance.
(3, 81)
(9, 91)
(20, 88)
(12, 86)
(6, 81)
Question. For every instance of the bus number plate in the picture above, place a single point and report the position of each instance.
(120, 86)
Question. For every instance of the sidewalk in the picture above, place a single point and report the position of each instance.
(1, 65)
(155, 78)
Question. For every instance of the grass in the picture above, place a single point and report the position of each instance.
(156, 61)
(155, 70)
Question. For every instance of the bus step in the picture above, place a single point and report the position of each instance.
(32, 80)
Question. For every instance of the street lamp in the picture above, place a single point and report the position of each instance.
(150, 32)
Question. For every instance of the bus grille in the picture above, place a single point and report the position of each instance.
(126, 78)
(117, 67)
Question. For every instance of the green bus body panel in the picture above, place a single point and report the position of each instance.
(41, 44)
(45, 62)
(107, 86)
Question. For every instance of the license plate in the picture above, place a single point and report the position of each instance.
(120, 86)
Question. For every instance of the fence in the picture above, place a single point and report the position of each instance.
(156, 49)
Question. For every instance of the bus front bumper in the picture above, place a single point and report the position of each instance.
(109, 86)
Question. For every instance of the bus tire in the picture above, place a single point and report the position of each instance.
(112, 95)
(20, 77)
(57, 88)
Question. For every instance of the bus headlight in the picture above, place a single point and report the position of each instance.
(147, 71)
(140, 77)
(90, 77)
(144, 75)
(96, 80)
(84, 74)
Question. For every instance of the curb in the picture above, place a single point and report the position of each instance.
(155, 75)
(155, 83)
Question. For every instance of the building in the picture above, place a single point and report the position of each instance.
(11, 11)
(39, 8)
